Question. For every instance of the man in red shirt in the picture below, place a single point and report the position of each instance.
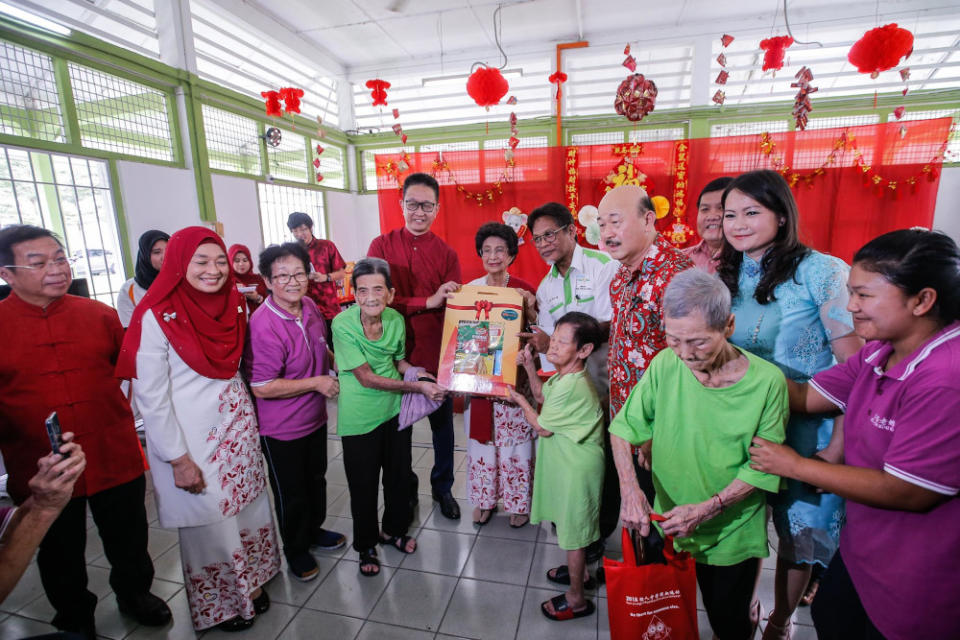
(328, 265)
(424, 269)
(61, 358)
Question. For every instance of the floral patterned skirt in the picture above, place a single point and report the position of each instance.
(225, 562)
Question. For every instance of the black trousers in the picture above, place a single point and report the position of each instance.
(610, 494)
(364, 456)
(121, 520)
(441, 427)
(727, 594)
(298, 471)
(837, 611)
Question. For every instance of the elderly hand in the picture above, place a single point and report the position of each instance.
(683, 519)
(432, 390)
(52, 487)
(635, 510)
(525, 356)
(187, 475)
(769, 457)
(328, 386)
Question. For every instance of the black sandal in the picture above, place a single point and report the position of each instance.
(397, 542)
(235, 624)
(369, 557)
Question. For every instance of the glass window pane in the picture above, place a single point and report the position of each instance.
(20, 164)
(27, 201)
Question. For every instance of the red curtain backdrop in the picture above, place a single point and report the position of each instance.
(851, 184)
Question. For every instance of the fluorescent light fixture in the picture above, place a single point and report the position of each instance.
(463, 76)
(34, 19)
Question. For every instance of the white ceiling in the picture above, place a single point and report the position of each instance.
(376, 36)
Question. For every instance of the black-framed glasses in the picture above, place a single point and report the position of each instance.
(549, 237)
(413, 205)
(284, 278)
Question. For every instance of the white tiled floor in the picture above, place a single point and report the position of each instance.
(461, 582)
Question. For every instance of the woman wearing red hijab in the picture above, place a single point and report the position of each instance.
(183, 346)
(242, 263)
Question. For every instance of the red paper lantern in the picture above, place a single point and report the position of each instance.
(775, 49)
(272, 104)
(379, 92)
(635, 97)
(880, 49)
(291, 99)
(486, 86)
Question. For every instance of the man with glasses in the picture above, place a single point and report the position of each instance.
(424, 270)
(289, 369)
(59, 356)
(328, 265)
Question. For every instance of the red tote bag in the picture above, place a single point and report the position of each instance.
(652, 601)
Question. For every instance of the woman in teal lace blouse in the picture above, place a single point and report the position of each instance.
(790, 307)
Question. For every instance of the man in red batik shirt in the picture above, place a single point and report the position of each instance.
(59, 355)
(647, 264)
(424, 269)
(328, 265)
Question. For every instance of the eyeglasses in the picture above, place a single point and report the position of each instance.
(40, 266)
(284, 278)
(496, 251)
(549, 237)
(413, 205)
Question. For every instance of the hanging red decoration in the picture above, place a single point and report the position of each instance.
(378, 91)
(272, 103)
(719, 96)
(636, 97)
(291, 99)
(722, 77)
(801, 103)
(775, 50)
(630, 63)
(726, 39)
(486, 86)
(558, 78)
(881, 49)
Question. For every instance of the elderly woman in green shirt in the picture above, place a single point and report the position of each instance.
(369, 341)
(695, 411)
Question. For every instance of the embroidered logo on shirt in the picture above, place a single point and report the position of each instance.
(887, 424)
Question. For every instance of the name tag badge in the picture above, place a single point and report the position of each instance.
(583, 289)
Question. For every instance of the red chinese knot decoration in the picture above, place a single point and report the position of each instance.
(291, 99)
(774, 51)
(272, 103)
(378, 91)
(881, 49)
(486, 86)
(557, 78)
(636, 97)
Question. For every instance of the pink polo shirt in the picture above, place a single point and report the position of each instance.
(283, 346)
(906, 421)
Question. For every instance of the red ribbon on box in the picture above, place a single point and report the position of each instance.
(483, 306)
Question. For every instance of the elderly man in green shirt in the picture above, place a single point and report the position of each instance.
(696, 410)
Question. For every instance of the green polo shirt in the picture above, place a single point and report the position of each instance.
(359, 409)
(701, 443)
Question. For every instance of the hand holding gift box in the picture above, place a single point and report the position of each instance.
(480, 343)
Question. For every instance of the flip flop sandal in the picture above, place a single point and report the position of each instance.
(525, 522)
(561, 575)
(563, 611)
(485, 512)
(397, 542)
(369, 557)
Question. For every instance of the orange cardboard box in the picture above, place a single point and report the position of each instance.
(479, 348)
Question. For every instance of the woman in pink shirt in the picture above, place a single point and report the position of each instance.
(897, 574)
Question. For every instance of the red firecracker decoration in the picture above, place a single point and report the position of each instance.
(291, 99)
(630, 63)
(881, 49)
(557, 78)
(719, 96)
(726, 39)
(722, 77)
(396, 113)
(272, 103)
(801, 103)
(486, 86)
(898, 112)
(775, 49)
(636, 97)
(626, 50)
(378, 91)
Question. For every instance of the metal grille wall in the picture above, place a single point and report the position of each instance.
(277, 202)
(233, 142)
(331, 166)
(29, 103)
(288, 160)
(120, 115)
(71, 196)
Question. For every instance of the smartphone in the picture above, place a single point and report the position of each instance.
(53, 432)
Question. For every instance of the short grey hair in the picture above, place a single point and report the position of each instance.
(696, 290)
(369, 267)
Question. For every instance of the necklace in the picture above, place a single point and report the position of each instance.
(506, 281)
